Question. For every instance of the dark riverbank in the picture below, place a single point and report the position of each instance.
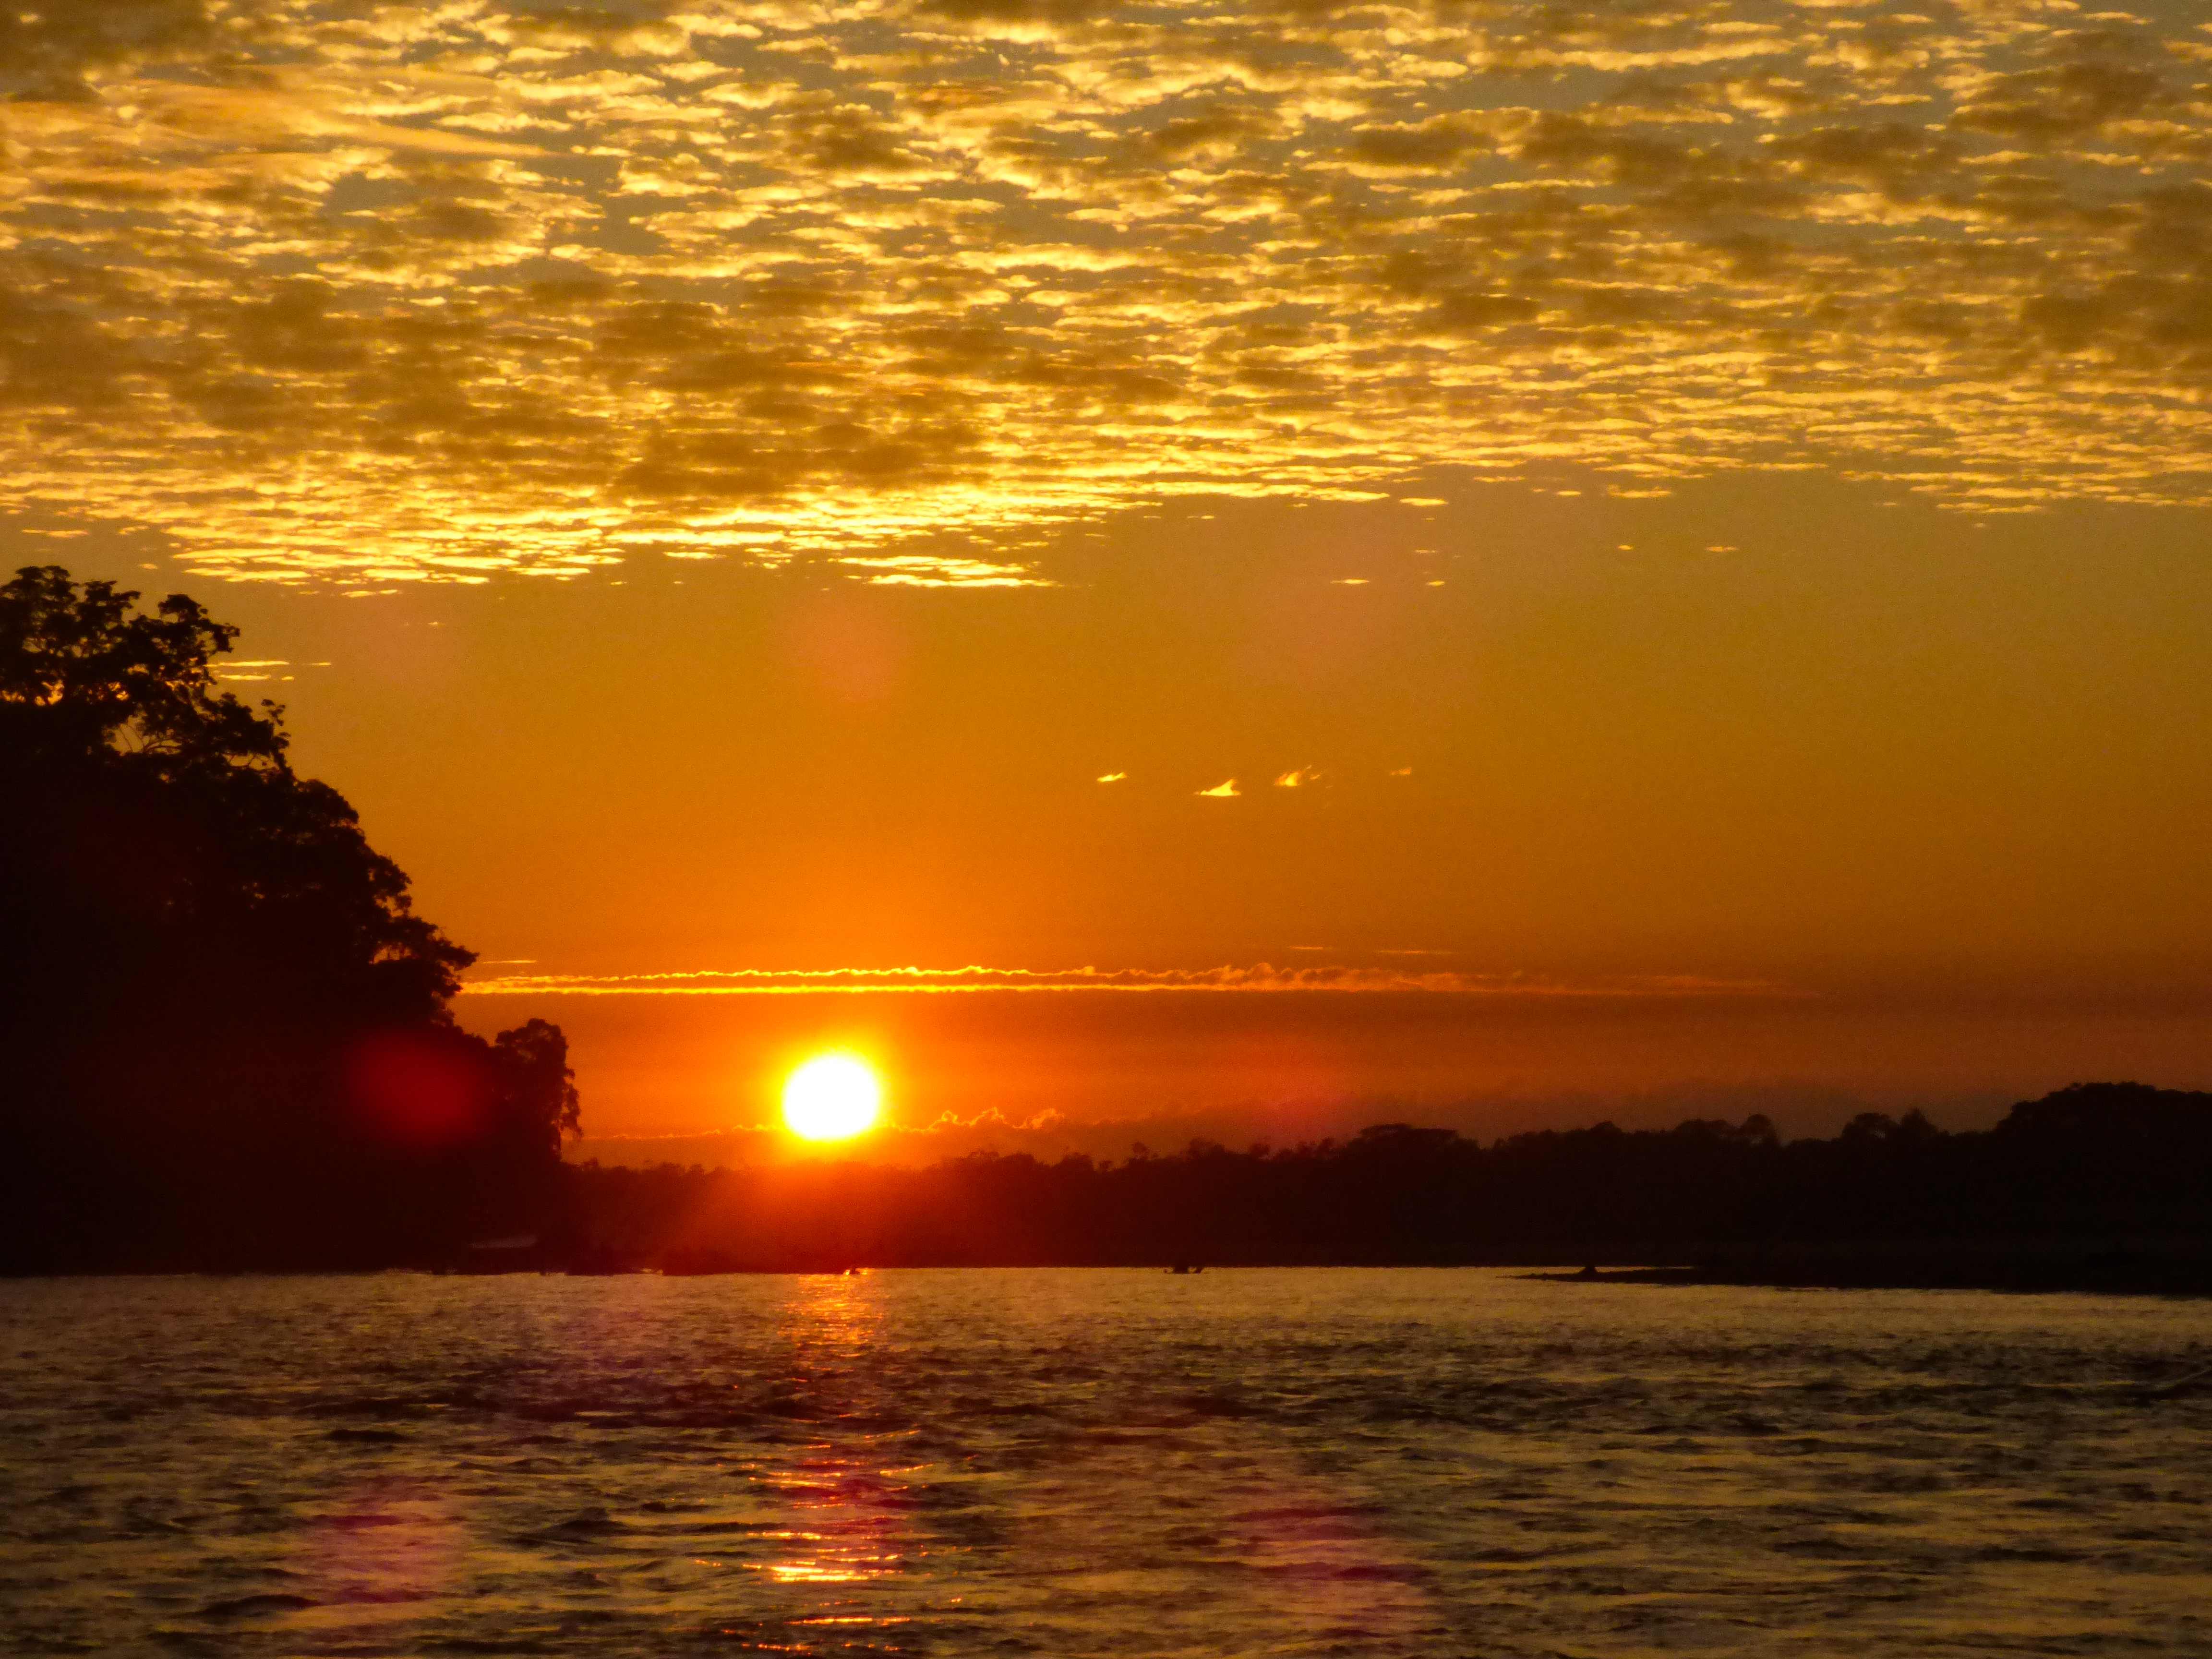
(2136, 1268)
(2100, 1186)
(2097, 1188)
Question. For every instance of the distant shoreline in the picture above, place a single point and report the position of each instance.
(2187, 1276)
(2098, 1187)
(2183, 1269)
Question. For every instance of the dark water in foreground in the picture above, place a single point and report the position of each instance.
(1096, 1463)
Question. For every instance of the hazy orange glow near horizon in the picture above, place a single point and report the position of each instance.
(1207, 567)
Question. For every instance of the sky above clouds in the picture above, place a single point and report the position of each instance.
(1460, 506)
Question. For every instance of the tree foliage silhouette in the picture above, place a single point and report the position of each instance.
(199, 952)
(1887, 1199)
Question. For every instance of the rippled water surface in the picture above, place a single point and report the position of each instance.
(1109, 1463)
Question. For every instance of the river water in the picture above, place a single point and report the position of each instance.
(1074, 1464)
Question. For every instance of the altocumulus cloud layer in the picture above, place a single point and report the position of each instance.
(443, 289)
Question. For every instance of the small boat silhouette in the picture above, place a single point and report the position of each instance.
(1185, 1267)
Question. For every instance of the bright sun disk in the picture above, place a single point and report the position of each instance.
(831, 1097)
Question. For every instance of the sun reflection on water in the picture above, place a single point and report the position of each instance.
(852, 1525)
(848, 1504)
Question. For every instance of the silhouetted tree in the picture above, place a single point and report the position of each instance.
(537, 1087)
(2073, 1167)
(225, 1028)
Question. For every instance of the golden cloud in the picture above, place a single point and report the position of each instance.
(455, 289)
(1261, 977)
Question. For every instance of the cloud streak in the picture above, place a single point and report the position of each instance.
(455, 291)
(1261, 978)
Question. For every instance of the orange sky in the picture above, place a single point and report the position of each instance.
(1685, 526)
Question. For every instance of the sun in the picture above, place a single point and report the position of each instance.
(831, 1097)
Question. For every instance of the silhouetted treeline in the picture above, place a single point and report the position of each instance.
(223, 1032)
(2095, 1162)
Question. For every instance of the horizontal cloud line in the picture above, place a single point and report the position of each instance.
(1259, 978)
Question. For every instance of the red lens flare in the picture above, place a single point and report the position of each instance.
(416, 1092)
